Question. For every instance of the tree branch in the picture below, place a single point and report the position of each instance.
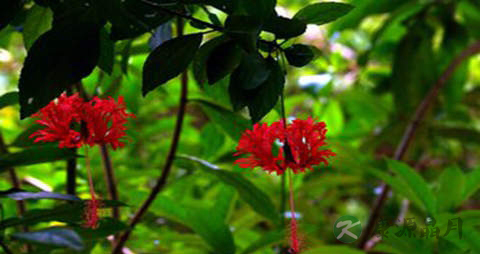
(110, 179)
(410, 132)
(162, 180)
(72, 175)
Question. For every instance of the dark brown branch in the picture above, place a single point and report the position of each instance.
(110, 179)
(162, 180)
(72, 175)
(410, 132)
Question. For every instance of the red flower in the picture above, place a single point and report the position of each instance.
(91, 215)
(304, 138)
(103, 121)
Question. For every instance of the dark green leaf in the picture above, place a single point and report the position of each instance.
(231, 123)
(131, 18)
(8, 99)
(212, 141)
(9, 10)
(321, 13)
(106, 227)
(244, 30)
(223, 60)
(256, 198)
(200, 60)
(60, 237)
(472, 183)
(22, 195)
(126, 56)
(284, 28)
(39, 20)
(168, 60)
(107, 52)
(34, 155)
(251, 72)
(57, 60)
(256, 9)
(299, 55)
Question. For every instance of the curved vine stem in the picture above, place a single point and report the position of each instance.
(409, 134)
(162, 180)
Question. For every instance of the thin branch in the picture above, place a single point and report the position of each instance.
(72, 175)
(110, 179)
(410, 132)
(162, 180)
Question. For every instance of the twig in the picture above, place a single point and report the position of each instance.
(162, 180)
(410, 131)
(110, 179)
(72, 175)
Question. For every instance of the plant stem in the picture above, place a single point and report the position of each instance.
(410, 132)
(162, 180)
(72, 175)
(110, 179)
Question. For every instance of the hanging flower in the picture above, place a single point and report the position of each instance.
(301, 141)
(91, 215)
(73, 122)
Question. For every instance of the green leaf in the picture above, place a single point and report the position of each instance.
(267, 239)
(168, 60)
(22, 195)
(131, 18)
(24, 140)
(257, 9)
(472, 183)
(8, 99)
(416, 183)
(9, 10)
(38, 21)
(262, 99)
(222, 61)
(212, 140)
(451, 189)
(299, 55)
(57, 60)
(205, 222)
(248, 192)
(60, 237)
(200, 60)
(231, 123)
(106, 227)
(107, 52)
(34, 155)
(321, 13)
(465, 135)
(251, 72)
(284, 28)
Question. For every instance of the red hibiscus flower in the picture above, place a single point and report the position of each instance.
(102, 120)
(304, 138)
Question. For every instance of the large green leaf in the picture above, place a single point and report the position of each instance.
(34, 155)
(472, 183)
(200, 60)
(417, 184)
(58, 237)
(168, 60)
(321, 13)
(38, 21)
(247, 191)
(230, 122)
(333, 249)
(207, 223)
(222, 60)
(284, 27)
(57, 60)
(451, 189)
(251, 72)
(258, 9)
(299, 55)
(267, 239)
(107, 52)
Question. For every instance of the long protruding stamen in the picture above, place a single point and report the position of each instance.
(294, 242)
(91, 209)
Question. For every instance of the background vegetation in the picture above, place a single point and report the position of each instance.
(393, 80)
